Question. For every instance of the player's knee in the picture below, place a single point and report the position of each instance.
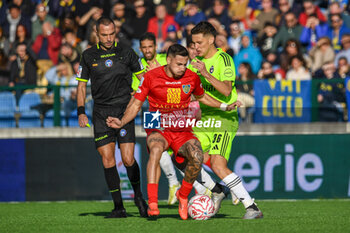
(108, 162)
(156, 152)
(198, 157)
(128, 161)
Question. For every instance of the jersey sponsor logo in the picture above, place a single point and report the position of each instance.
(80, 69)
(211, 70)
(186, 88)
(109, 63)
(100, 138)
(123, 132)
(172, 83)
(228, 72)
(108, 55)
(173, 95)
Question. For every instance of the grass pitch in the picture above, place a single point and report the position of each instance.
(88, 216)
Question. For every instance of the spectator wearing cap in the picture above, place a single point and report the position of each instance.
(219, 12)
(345, 52)
(292, 30)
(321, 53)
(14, 17)
(313, 31)
(41, 16)
(336, 8)
(309, 9)
(336, 31)
(268, 14)
(159, 24)
(190, 13)
(170, 40)
(248, 53)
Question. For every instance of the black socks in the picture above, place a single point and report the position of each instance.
(113, 183)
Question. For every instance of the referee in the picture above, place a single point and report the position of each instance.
(109, 66)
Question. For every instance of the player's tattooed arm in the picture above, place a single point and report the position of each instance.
(192, 150)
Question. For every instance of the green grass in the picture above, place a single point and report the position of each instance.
(88, 216)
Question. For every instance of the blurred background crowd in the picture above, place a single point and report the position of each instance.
(41, 41)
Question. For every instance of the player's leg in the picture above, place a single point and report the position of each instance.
(105, 139)
(156, 144)
(192, 151)
(168, 168)
(126, 139)
(204, 184)
(112, 178)
(133, 171)
(219, 192)
(219, 155)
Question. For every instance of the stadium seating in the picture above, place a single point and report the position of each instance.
(49, 119)
(7, 110)
(29, 117)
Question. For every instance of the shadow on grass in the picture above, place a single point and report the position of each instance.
(102, 214)
(166, 206)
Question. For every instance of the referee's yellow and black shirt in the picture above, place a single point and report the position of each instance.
(110, 73)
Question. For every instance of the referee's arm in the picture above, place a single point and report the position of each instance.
(81, 95)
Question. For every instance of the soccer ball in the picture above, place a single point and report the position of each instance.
(201, 207)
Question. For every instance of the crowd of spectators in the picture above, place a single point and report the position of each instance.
(41, 41)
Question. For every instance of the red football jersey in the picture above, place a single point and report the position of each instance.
(168, 95)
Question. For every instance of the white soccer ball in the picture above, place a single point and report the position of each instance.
(201, 207)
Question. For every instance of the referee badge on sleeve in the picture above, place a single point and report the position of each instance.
(80, 69)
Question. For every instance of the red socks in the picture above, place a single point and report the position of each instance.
(185, 189)
(152, 191)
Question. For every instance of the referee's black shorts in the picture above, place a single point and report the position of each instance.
(103, 134)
